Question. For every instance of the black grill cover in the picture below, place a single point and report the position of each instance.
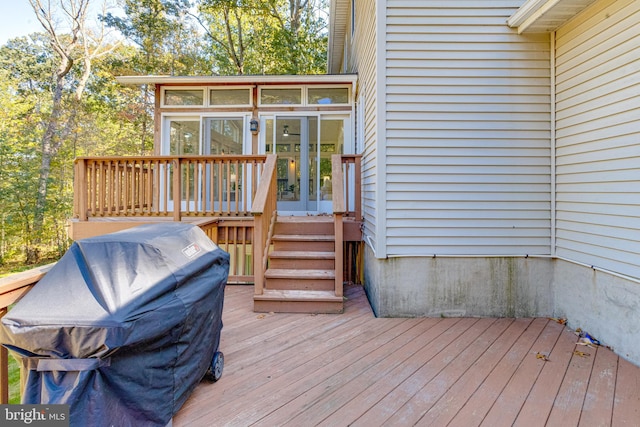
(124, 326)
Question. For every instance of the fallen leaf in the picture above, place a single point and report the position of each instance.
(542, 356)
(581, 353)
(261, 316)
(560, 320)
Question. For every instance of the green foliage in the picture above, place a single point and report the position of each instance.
(108, 122)
(175, 37)
(265, 37)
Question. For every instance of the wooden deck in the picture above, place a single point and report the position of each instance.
(355, 369)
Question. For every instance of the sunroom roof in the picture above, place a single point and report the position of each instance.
(249, 80)
(541, 16)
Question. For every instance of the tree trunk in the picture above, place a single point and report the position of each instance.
(50, 145)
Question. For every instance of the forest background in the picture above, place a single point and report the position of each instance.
(59, 98)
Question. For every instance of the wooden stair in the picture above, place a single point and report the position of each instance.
(300, 277)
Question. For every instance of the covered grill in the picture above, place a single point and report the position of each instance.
(124, 326)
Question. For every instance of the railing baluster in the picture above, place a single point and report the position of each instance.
(141, 186)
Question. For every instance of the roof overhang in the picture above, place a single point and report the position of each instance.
(338, 11)
(543, 16)
(239, 80)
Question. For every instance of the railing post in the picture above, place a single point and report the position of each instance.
(81, 189)
(4, 370)
(258, 254)
(177, 176)
(339, 209)
(358, 187)
(339, 252)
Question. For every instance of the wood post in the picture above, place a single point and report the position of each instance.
(4, 370)
(176, 189)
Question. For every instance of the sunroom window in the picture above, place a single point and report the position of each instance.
(328, 96)
(229, 97)
(281, 96)
(181, 97)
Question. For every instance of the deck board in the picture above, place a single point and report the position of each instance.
(355, 369)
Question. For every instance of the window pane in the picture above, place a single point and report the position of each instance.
(230, 97)
(329, 95)
(226, 136)
(281, 96)
(332, 142)
(184, 97)
(184, 137)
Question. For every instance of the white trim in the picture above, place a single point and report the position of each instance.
(245, 116)
(552, 62)
(537, 15)
(381, 132)
(349, 95)
(165, 118)
(215, 88)
(246, 133)
(205, 96)
(526, 11)
(303, 94)
(249, 80)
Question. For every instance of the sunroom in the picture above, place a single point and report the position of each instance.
(218, 143)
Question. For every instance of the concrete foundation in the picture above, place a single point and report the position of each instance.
(606, 306)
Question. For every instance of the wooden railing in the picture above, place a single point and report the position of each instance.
(12, 288)
(264, 218)
(339, 210)
(352, 184)
(165, 186)
(347, 202)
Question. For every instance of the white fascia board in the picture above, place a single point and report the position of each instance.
(525, 12)
(545, 15)
(254, 80)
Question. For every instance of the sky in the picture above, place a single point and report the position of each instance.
(16, 19)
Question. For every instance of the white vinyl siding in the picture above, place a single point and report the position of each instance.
(363, 61)
(598, 134)
(468, 160)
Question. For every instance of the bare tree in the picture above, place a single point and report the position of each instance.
(65, 23)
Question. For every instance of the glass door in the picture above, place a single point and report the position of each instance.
(182, 137)
(291, 144)
(223, 181)
(304, 146)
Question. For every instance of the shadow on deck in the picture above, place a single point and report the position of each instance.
(355, 369)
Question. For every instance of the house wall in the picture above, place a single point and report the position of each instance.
(467, 163)
(598, 178)
(469, 157)
(362, 59)
(598, 129)
(467, 125)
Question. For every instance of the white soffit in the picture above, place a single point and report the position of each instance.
(543, 16)
(338, 18)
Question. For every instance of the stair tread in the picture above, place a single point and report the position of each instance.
(305, 218)
(303, 254)
(284, 273)
(297, 295)
(304, 237)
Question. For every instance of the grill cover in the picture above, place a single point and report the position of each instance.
(124, 326)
